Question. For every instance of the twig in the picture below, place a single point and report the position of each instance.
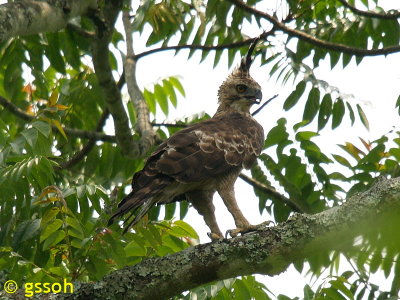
(271, 192)
(263, 105)
(78, 156)
(313, 40)
(370, 14)
(169, 125)
(98, 136)
(11, 107)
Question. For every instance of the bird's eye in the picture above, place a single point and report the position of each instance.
(241, 88)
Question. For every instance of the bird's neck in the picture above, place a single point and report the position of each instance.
(232, 107)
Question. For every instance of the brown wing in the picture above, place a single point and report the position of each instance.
(209, 148)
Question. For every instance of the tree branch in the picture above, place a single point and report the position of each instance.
(271, 192)
(369, 14)
(313, 40)
(78, 156)
(98, 136)
(33, 17)
(143, 124)
(169, 125)
(269, 251)
(263, 105)
(204, 47)
(129, 147)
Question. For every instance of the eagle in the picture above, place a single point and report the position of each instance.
(202, 159)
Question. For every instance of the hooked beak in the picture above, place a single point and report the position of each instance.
(256, 98)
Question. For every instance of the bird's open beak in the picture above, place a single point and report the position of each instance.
(257, 97)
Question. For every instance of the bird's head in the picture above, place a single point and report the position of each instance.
(240, 91)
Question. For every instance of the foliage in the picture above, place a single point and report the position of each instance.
(53, 218)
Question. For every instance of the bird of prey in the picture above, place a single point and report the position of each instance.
(204, 158)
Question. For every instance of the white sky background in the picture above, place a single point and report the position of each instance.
(374, 83)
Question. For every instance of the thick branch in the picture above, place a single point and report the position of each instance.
(33, 17)
(313, 40)
(98, 136)
(143, 124)
(268, 252)
(370, 14)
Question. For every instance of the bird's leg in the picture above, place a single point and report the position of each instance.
(202, 202)
(243, 226)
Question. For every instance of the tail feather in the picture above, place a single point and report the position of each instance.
(149, 203)
(139, 202)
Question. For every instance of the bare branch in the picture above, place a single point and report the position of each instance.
(263, 105)
(203, 47)
(11, 107)
(98, 136)
(313, 40)
(269, 251)
(169, 125)
(271, 192)
(144, 127)
(32, 17)
(369, 14)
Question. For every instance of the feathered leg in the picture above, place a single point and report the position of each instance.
(243, 226)
(202, 202)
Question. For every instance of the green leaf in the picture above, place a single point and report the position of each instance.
(134, 249)
(30, 135)
(169, 89)
(294, 96)
(26, 230)
(342, 160)
(43, 127)
(337, 113)
(308, 293)
(305, 135)
(53, 53)
(185, 229)
(362, 116)
(177, 84)
(50, 228)
(54, 239)
(150, 100)
(351, 112)
(312, 105)
(161, 98)
(74, 223)
(325, 111)
(132, 113)
(277, 134)
(241, 291)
